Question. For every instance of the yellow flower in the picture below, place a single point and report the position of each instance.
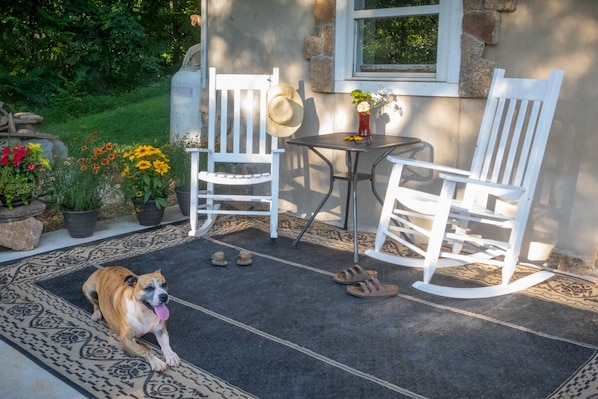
(142, 165)
(34, 146)
(161, 167)
(144, 150)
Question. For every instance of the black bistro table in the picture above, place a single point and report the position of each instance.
(336, 141)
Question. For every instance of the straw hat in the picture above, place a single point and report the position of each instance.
(285, 111)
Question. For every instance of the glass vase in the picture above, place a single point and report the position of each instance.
(364, 129)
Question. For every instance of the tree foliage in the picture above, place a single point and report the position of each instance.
(55, 48)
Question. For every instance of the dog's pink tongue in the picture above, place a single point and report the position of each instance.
(162, 312)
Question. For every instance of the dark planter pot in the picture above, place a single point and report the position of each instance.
(80, 224)
(148, 214)
(183, 198)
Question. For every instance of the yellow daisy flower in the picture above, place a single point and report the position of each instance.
(142, 165)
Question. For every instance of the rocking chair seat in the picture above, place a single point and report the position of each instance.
(234, 179)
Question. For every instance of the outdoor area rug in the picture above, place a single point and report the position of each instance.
(281, 328)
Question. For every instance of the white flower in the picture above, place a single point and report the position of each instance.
(381, 98)
(363, 106)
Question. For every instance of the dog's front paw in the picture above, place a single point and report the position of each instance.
(157, 364)
(97, 315)
(172, 359)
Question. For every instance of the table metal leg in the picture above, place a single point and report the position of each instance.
(319, 207)
(348, 162)
(354, 178)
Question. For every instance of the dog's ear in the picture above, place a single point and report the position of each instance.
(131, 280)
(158, 271)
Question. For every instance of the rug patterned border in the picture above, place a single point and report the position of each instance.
(49, 328)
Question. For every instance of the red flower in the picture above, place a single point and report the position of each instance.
(5, 160)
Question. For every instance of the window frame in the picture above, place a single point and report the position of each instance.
(445, 83)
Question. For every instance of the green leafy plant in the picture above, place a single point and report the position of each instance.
(20, 169)
(145, 175)
(80, 183)
(180, 161)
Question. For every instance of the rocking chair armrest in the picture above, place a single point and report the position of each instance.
(427, 165)
(500, 190)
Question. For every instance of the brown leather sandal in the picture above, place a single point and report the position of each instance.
(372, 288)
(353, 275)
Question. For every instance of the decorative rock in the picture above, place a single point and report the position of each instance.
(485, 25)
(22, 235)
(27, 120)
(475, 79)
(34, 208)
(321, 71)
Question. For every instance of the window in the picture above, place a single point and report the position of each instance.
(411, 47)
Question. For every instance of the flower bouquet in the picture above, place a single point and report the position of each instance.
(145, 175)
(366, 103)
(21, 167)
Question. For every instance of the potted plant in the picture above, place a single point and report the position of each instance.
(180, 168)
(21, 167)
(145, 172)
(77, 186)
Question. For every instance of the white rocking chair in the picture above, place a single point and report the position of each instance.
(237, 101)
(467, 221)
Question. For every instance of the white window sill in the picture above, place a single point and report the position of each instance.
(424, 89)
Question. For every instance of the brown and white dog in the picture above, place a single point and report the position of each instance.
(132, 306)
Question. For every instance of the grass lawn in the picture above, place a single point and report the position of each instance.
(146, 122)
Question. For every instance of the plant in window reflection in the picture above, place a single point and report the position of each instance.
(145, 175)
(367, 102)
